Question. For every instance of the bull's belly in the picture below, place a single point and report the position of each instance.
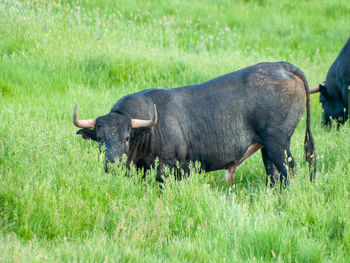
(227, 159)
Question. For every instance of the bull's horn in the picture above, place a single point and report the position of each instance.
(136, 123)
(82, 123)
(314, 89)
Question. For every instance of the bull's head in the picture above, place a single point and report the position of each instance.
(332, 108)
(332, 105)
(113, 131)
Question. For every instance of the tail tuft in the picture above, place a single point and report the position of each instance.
(309, 148)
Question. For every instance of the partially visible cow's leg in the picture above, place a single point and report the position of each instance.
(181, 171)
(178, 170)
(270, 168)
(291, 163)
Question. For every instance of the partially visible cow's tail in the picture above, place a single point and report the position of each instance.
(309, 145)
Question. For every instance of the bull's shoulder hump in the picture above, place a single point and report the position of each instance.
(139, 99)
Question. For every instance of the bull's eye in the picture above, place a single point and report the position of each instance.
(127, 138)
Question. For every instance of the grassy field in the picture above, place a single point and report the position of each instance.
(56, 202)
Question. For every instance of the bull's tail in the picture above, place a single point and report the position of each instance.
(309, 146)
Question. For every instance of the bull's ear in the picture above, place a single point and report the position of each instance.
(87, 134)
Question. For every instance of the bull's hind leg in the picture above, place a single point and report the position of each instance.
(276, 152)
(270, 168)
(291, 163)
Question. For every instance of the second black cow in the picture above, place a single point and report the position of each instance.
(218, 123)
(334, 91)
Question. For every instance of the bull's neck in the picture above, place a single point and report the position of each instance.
(141, 149)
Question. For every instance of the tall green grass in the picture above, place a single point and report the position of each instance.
(56, 202)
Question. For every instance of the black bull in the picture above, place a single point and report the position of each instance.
(334, 92)
(218, 123)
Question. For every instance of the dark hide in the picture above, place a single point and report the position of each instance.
(213, 123)
(334, 93)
